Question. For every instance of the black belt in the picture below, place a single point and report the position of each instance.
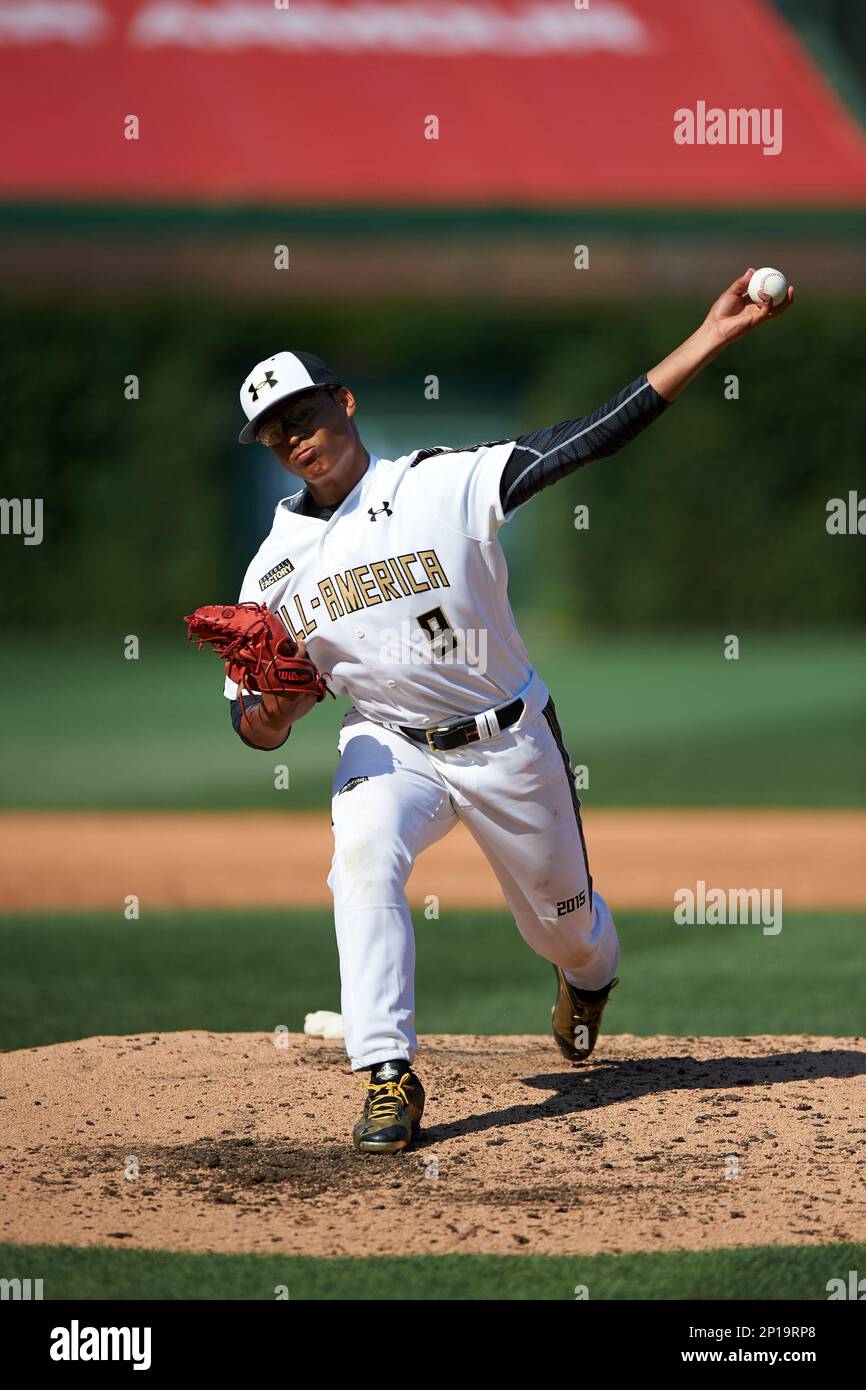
(448, 736)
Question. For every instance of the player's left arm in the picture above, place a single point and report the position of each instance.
(542, 458)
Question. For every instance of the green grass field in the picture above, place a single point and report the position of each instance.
(753, 1272)
(77, 976)
(658, 721)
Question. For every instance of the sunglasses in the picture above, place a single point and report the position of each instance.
(295, 420)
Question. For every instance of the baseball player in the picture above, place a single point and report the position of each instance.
(390, 577)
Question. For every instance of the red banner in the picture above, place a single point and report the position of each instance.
(536, 103)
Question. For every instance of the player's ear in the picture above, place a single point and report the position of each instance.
(346, 401)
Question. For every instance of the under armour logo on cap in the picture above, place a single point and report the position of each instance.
(278, 378)
(256, 387)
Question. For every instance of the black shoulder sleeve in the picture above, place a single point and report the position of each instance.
(542, 458)
(237, 714)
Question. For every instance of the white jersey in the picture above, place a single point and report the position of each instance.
(401, 596)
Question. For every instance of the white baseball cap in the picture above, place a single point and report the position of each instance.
(276, 379)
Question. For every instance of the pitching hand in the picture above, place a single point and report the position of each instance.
(734, 314)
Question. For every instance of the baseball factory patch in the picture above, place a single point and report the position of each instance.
(278, 572)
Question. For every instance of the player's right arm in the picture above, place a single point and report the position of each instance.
(731, 316)
(554, 452)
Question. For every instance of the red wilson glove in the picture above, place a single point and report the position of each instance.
(260, 656)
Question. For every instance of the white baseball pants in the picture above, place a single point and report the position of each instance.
(515, 793)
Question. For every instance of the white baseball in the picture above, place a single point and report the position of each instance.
(772, 282)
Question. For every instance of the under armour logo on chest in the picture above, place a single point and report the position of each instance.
(374, 512)
(257, 386)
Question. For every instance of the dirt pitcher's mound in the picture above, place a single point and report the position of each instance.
(203, 1141)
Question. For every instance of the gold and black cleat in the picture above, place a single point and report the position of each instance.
(392, 1114)
(576, 1021)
